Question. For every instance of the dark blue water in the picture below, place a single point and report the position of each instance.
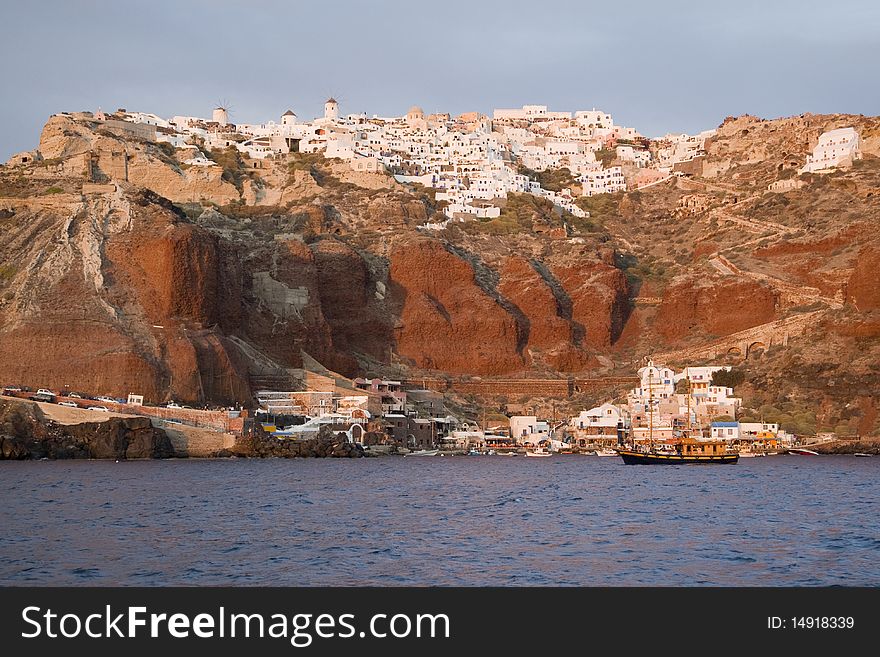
(566, 520)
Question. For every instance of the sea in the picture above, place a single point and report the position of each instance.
(568, 520)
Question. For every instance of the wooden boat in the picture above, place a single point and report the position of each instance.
(800, 451)
(538, 451)
(686, 450)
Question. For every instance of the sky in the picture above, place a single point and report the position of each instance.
(670, 66)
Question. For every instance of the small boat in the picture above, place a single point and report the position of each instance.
(606, 452)
(538, 451)
(800, 451)
(424, 452)
(748, 454)
(862, 454)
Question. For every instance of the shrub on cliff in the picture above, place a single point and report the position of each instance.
(601, 205)
(554, 180)
(229, 159)
(728, 379)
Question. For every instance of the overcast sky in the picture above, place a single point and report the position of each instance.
(656, 66)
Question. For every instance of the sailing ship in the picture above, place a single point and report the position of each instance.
(682, 451)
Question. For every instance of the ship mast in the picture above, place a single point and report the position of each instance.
(651, 406)
(689, 427)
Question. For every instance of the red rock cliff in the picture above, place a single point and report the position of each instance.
(447, 321)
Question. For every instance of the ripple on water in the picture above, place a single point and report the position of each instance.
(487, 521)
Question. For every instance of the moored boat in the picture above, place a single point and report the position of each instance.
(424, 452)
(863, 454)
(605, 452)
(538, 451)
(800, 451)
(686, 450)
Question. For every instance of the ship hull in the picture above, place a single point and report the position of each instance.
(644, 458)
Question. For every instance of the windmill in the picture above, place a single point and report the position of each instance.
(221, 112)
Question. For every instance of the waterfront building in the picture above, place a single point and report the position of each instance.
(528, 429)
(392, 394)
(598, 426)
(729, 431)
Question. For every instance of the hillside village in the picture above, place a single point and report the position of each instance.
(556, 301)
(472, 161)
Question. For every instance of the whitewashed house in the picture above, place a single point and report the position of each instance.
(836, 148)
(603, 181)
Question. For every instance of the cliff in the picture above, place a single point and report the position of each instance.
(122, 269)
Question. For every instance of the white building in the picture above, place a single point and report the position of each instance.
(599, 424)
(700, 377)
(725, 431)
(528, 429)
(529, 113)
(603, 181)
(836, 148)
(639, 156)
(754, 430)
(146, 118)
(594, 119)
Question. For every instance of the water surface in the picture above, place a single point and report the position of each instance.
(566, 520)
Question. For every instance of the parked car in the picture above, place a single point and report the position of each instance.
(75, 395)
(103, 409)
(44, 391)
(173, 404)
(69, 403)
(11, 390)
(106, 400)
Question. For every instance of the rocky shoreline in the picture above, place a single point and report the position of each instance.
(865, 446)
(26, 433)
(259, 444)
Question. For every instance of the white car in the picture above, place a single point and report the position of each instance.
(43, 391)
(75, 395)
(69, 404)
(106, 400)
(103, 409)
(172, 404)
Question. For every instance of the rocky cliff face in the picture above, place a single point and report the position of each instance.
(714, 307)
(119, 295)
(862, 287)
(447, 321)
(553, 334)
(124, 270)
